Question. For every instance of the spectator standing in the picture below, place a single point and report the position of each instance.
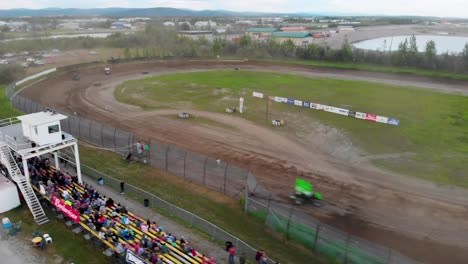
(242, 258)
(138, 147)
(232, 253)
(122, 187)
(259, 255)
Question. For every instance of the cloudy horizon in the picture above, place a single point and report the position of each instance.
(448, 8)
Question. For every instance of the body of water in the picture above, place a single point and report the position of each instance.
(451, 44)
(91, 35)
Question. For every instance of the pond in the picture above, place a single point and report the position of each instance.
(452, 44)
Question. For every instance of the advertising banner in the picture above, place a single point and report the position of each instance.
(259, 95)
(382, 119)
(342, 111)
(133, 258)
(360, 115)
(330, 109)
(371, 117)
(339, 111)
(393, 122)
(66, 209)
(326, 108)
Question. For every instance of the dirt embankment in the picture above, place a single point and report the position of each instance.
(417, 218)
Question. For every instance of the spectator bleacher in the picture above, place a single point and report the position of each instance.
(112, 224)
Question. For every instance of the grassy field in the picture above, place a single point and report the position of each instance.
(376, 68)
(6, 109)
(434, 126)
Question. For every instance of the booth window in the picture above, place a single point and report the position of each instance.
(53, 129)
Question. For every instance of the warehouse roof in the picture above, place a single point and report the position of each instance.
(259, 30)
(291, 34)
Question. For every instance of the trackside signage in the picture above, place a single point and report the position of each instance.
(133, 258)
(332, 109)
(66, 209)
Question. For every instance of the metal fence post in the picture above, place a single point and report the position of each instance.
(204, 170)
(90, 126)
(389, 257)
(191, 221)
(102, 137)
(149, 151)
(185, 160)
(115, 145)
(167, 150)
(291, 209)
(79, 128)
(225, 174)
(317, 231)
(346, 248)
(246, 199)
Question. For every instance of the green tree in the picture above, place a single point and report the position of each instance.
(184, 27)
(430, 53)
(10, 73)
(403, 53)
(136, 54)
(413, 53)
(346, 52)
(245, 41)
(289, 48)
(273, 46)
(217, 46)
(465, 56)
(127, 54)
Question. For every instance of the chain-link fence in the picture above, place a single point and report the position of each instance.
(10, 90)
(321, 238)
(213, 173)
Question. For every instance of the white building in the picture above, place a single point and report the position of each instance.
(69, 25)
(8, 195)
(197, 34)
(133, 19)
(344, 29)
(247, 22)
(205, 24)
(169, 24)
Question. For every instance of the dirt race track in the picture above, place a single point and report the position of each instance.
(419, 219)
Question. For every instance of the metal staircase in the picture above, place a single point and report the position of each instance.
(24, 185)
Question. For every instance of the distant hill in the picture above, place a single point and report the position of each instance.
(164, 12)
(129, 12)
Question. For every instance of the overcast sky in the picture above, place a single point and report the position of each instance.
(448, 8)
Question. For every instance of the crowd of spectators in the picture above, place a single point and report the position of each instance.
(111, 221)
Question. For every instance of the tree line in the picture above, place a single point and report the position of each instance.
(160, 41)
